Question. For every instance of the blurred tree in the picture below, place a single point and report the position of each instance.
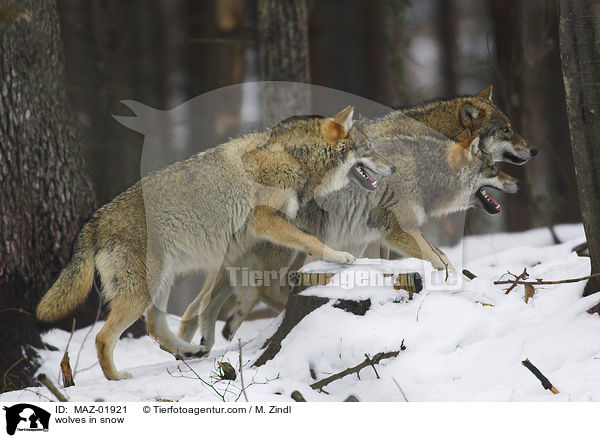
(46, 194)
(359, 48)
(528, 89)
(283, 54)
(447, 35)
(579, 36)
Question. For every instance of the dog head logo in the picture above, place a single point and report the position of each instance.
(26, 417)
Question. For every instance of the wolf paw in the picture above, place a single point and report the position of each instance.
(122, 376)
(202, 351)
(340, 257)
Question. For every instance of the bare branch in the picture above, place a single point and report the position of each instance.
(537, 373)
(539, 281)
(356, 369)
(44, 380)
(241, 375)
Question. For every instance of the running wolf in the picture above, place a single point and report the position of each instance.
(424, 159)
(202, 212)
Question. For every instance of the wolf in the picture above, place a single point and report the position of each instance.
(416, 140)
(200, 213)
(450, 117)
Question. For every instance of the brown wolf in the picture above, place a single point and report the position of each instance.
(203, 212)
(424, 159)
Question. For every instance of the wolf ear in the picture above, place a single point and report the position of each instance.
(462, 151)
(487, 93)
(340, 124)
(468, 114)
(469, 143)
(465, 135)
(470, 146)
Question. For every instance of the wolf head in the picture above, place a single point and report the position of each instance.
(490, 176)
(332, 150)
(498, 139)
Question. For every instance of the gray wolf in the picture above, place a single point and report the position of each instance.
(204, 212)
(430, 183)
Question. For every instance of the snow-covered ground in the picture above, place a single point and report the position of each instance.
(461, 345)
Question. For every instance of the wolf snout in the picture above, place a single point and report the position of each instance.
(519, 183)
(534, 151)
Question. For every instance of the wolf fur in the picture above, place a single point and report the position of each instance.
(203, 213)
(432, 181)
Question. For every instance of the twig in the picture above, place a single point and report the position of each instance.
(542, 282)
(400, 389)
(373, 365)
(537, 373)
(5, 376)
(356, 369)
(222, 396)
(71, 335)
(522, 276)
(420, 305)
(39, 394)
(44, 380)
(242, 375)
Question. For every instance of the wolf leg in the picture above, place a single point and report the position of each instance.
(158, 328)
(244, 304)
(156, 321)
(414, 244)
(208, 317)
(189, 323)
(273, 292)
(270, 224)
(125, 309)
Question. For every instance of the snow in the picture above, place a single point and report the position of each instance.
(461, 345)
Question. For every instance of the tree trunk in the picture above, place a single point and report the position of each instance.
(46, 194)
(447, 33)
(580, 53)
(283, 54)
(513, 96)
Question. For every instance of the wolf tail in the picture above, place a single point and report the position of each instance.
(73, 284)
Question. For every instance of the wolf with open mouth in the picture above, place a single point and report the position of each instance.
(202, 212)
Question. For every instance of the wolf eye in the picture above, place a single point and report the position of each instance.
(506, 129)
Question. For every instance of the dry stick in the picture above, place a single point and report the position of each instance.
(44, 380)
(242, 375)
(376, 359)
(400, 389)
(373, 365)
(297, 396)
(522, 276)
(537, 373)
(542, 282)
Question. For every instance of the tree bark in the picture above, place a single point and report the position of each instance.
(283, 54)
(46, 194)
(580, 53)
